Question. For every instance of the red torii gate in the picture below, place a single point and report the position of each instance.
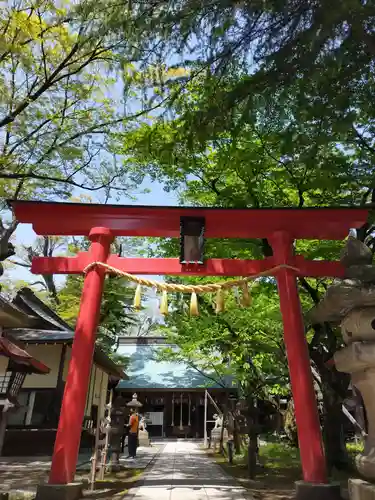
(102, 223)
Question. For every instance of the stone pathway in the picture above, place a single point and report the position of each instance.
(24, 473)
(182, 471)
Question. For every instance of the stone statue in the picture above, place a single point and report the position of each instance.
(218, 421)
(142, 424)
(143, 437)
(218, 431)
(351, 302)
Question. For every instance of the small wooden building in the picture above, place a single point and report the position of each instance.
(31, 430)
(15, 365)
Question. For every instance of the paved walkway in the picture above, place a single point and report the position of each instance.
(26, 472)
(182, 471)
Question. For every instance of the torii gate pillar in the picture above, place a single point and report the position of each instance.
(68, 435)
(307, 418)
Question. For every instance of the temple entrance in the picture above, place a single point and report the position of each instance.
(279, 227)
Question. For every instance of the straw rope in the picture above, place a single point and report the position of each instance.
(175, 287)
(219, 288)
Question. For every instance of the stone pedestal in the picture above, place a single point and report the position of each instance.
(216, 436)
(143, 438)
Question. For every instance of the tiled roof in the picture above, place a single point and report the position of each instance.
(28, 320)
(31, 304)
(12, 316)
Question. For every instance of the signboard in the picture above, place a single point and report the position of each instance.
(154, 418)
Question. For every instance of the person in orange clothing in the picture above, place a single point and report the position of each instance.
(133, 433)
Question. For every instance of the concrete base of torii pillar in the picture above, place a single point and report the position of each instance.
(70, 491)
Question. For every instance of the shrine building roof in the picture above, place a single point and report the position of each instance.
(145, 371)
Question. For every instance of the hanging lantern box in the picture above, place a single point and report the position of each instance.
(12, 381)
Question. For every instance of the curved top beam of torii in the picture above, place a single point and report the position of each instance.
(52, 218)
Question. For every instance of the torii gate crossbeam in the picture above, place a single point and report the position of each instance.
(101, 223)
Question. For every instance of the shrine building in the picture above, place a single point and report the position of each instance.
(172, 394)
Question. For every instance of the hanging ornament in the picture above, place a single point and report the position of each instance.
(220, 301)
(137, 297)
(164, 303)
(246, 298)
(194, 310)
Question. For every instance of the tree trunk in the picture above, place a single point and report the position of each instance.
(234, 429)
(253, 432)
(333, 430)
(225, 416)
(236, 438)
(334, 387)
(6, 248)
(290, 426)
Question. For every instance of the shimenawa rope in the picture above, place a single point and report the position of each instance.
(219, 288)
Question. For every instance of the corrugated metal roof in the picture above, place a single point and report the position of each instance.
(53, 336)
(146, 372)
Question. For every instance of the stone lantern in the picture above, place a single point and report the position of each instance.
(116, 431)
(351, 303)
(134, 403)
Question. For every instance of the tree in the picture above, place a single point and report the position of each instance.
(44, 246)
(61, 102)
(277, 112)
(324, 53)
(263, 162)
(116, 313)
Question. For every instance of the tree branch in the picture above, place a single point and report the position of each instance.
(45, 86)
(61, 181)
(363, 141)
